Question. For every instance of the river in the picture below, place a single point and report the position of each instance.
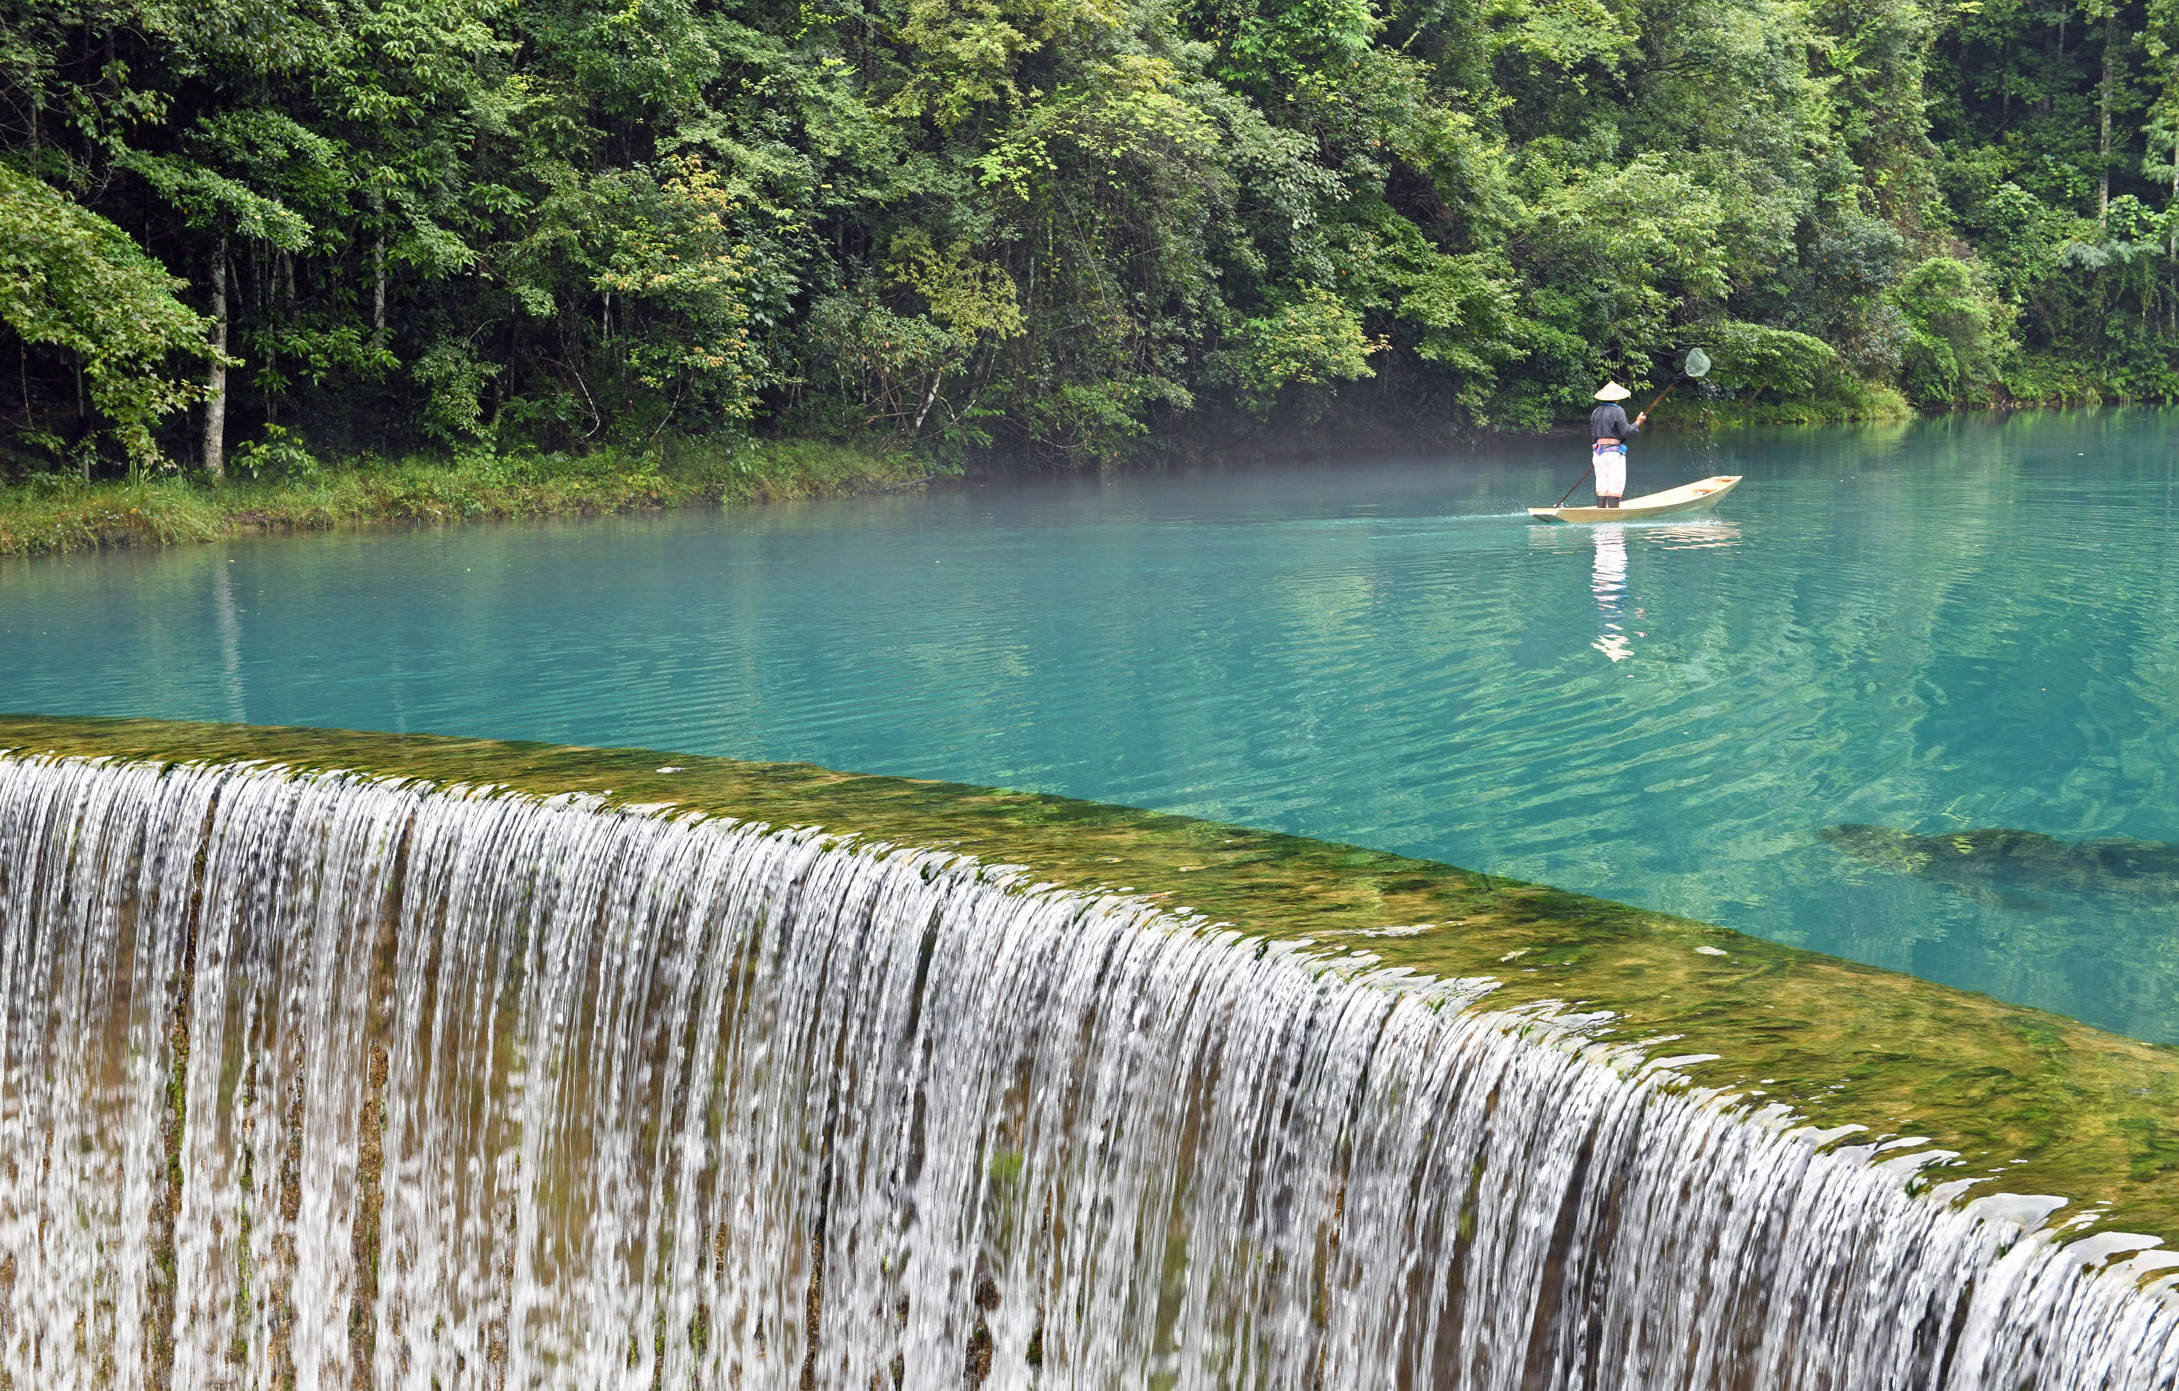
(1933, 626)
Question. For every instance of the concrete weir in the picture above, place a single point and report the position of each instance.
(363, 1060)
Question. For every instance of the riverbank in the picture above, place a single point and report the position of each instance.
(54, 514)
(294, 491)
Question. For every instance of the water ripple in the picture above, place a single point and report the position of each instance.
(1934, 626)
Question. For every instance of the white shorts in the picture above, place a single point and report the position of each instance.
(1611, 471)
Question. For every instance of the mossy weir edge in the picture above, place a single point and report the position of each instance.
(2029, 1101)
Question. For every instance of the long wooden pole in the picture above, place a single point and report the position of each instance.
(1577, 482)
(1664, 393)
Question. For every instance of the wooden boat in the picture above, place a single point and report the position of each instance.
(1688, 497)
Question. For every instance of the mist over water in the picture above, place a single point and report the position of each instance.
(321, 1082)
(1931, 626)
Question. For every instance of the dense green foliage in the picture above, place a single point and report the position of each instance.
(241, 233)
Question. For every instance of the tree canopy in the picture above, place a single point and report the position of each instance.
(1067, 229)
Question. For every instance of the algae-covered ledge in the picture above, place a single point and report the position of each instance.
(2061, 1107)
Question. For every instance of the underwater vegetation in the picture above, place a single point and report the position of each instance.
(2006, 864)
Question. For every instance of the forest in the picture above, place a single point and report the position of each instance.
(245, 236)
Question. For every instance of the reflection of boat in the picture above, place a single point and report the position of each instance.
(1660, 533)
(1693, 536)
(1688, 497)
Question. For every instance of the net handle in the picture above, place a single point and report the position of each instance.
(1695, 368)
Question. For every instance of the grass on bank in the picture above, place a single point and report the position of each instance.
(53, 513)
(1861, 405)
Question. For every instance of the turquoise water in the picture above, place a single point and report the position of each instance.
(1937, 626)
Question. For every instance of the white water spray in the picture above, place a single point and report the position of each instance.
(320, 1081)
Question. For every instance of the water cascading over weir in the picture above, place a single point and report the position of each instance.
(319, 1078)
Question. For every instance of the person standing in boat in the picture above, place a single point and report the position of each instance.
(1609, 431)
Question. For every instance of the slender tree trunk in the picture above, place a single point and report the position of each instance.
(2063, 14)
(215, 379)
(929, 399)
(2103, 123)
(378, 265)
(83, 455)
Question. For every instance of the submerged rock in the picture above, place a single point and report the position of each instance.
(1992, 859)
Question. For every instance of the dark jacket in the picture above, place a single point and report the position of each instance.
(1609, 422)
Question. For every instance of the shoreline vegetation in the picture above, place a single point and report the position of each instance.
(57, 514)
(291, 490)
(61, 513)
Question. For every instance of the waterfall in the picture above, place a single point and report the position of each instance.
(319, 1080)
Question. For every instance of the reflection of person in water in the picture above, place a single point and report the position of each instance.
(1608, 582)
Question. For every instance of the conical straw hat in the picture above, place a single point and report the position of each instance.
(1613, 391)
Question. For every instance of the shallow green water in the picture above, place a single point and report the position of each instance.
(1936, 627)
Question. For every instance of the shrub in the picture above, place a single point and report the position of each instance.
(278, 457)
(1957, 333)
(1777, 365)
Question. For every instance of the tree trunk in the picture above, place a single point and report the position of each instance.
(929, 400)
(215, 379)
(2062, 16)
(378, 264)
(2103, 123)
